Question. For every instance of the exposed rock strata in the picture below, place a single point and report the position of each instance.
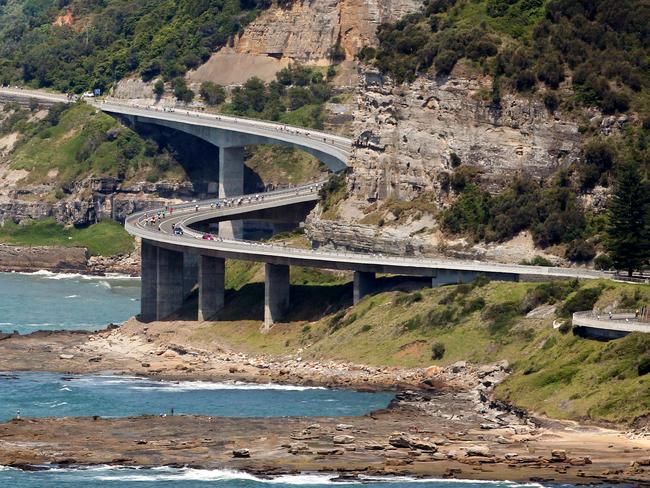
(405, 136)
(88, 200)
(52, 258)
(303, 32)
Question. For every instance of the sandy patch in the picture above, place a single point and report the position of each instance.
(13, 176)
(8, 142)
(228, 67)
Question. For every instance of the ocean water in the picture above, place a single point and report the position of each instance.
(110, 477)
(57, 395)
(55, 301)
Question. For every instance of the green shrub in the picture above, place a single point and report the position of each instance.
(580, 251)
(365, 328)
(500, 317)
(604, 262)
(437, 351)
(537, 261)
(550, 293)
(406, 299)
(644, 366)
(440, 317)
(583, 300)
(477, 303)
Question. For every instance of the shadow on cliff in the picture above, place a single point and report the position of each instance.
(308, 302)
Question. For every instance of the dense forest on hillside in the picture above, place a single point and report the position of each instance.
(603, 46)
(77, 45)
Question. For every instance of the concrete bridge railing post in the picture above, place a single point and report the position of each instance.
(212, 273)
(276, 293)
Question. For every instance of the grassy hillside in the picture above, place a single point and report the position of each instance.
(554, 372)
(105, 238)
(77, 141)
(75, 45)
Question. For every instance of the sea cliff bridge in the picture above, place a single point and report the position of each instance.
(176, 258)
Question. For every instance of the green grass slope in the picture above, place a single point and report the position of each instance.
(106, 238)
(554, 373)
(78, 141)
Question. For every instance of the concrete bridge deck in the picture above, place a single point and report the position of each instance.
(618, 324)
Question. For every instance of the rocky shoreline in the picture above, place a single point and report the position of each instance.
(442, 422)
(60, 259)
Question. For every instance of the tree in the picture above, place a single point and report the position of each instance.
(628, 231)
(159, 89)
(211, 93)
(181, 91)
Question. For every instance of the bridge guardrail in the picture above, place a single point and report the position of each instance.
(623, 321)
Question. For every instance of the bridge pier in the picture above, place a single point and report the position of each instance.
(231, 183)
(276, 293)
(211, 286)
(148, 281)
(169, 283)
(190, 273)
(364, 284)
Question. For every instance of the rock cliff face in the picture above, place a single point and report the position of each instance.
(54, 258)
(406, 140)
(302, 32)
(406, 135)
(88, 201)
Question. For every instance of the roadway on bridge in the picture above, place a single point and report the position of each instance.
(187, 215)
(336, 146)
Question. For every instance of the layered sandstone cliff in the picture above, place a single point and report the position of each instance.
(406, 135)
(410, 139)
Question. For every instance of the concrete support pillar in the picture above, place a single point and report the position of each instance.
(231, 183)
(276, 293)
(212, 273)
(364, 284)
(148, 281)
(170, 283)
(190, 273)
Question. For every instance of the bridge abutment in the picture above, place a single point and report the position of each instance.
(170, 289)
(231, 183)
(211, 286)
(276, 293)
(364, 284)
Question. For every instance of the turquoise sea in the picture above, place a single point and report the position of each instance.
(55, 301)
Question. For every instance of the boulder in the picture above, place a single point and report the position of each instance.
(241, 453)
(478, 451)
(410, 442)
(558, 455)
(343, 439)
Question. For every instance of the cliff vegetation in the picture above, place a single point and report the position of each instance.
(75, 45)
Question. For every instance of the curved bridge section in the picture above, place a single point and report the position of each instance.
(170, 239)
